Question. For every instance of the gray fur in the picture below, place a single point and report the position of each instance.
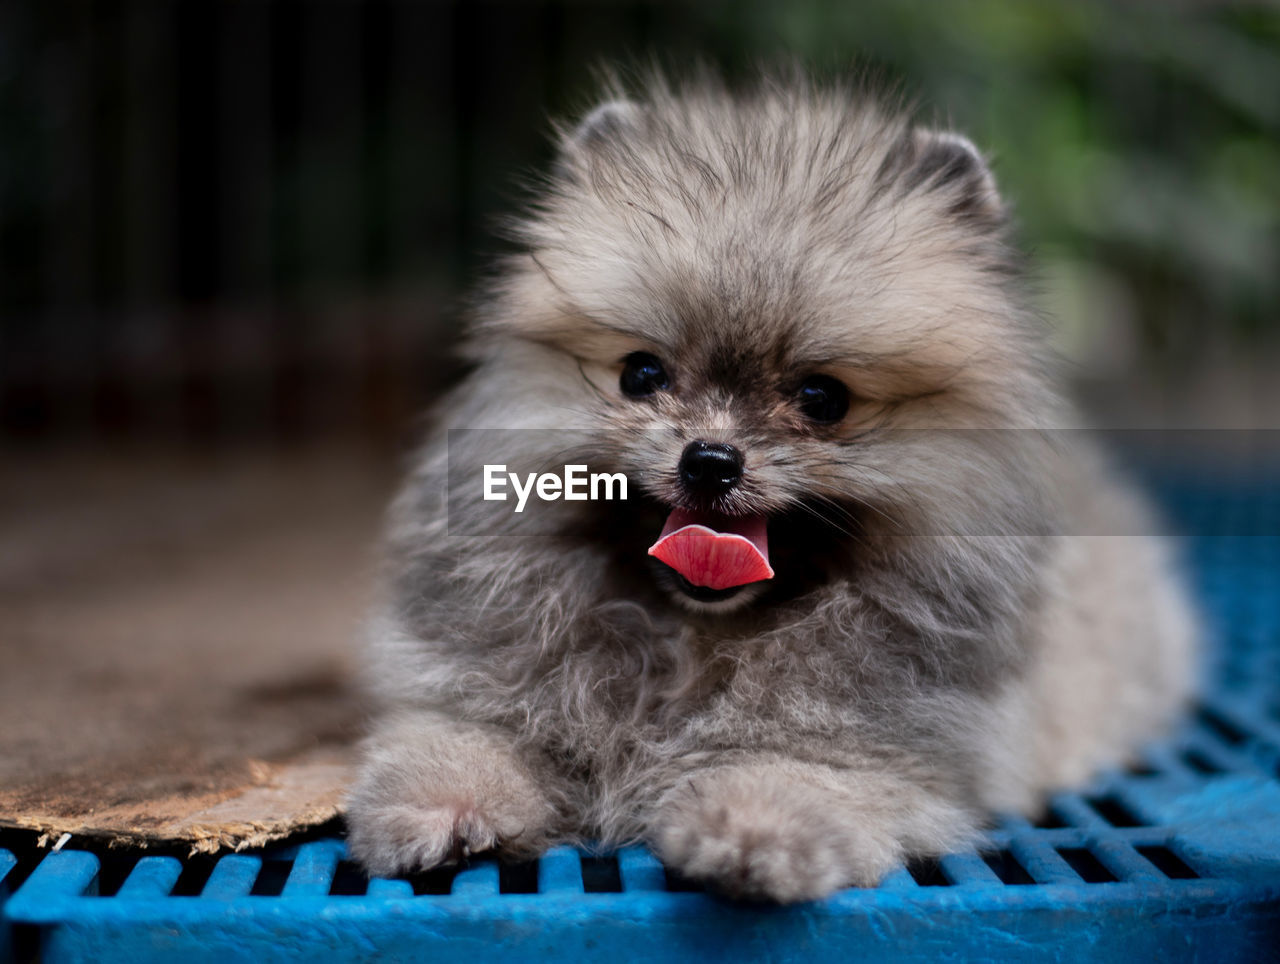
(948, 634)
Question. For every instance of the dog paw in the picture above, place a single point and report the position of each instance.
(763, 842)
(402, 838)
(433, 791)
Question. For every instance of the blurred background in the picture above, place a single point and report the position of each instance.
(235, 238)
(253, 219)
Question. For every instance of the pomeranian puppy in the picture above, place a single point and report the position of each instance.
(859, 595)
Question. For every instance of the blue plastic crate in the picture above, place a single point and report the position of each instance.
(1177, 858)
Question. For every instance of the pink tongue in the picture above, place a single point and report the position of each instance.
(715, 552)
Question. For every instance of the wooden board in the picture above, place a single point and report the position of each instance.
(177, 640)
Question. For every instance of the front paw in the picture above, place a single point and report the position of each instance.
(432, 791)
(402, 838)
(753, 836)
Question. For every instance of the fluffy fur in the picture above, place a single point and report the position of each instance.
(952, 629)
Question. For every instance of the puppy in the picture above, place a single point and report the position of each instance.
(859, 595)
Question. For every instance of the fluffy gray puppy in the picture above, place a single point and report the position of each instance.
(891, 601)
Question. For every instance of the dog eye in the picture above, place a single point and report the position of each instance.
(823, 398)
(643, 374)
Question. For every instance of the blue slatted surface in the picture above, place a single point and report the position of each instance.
(1175, 858)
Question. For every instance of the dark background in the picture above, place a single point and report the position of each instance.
(254, 220)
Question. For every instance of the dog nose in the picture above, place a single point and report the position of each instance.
(710, 469)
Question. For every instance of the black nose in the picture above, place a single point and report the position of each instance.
(710, 469)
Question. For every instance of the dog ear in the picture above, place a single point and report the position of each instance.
(607, 124)
(949, 163)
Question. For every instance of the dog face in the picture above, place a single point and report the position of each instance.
(786, 312)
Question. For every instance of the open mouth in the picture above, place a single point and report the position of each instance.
(702, 593)
(714, 555)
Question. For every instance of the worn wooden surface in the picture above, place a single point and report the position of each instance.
(176, 640)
